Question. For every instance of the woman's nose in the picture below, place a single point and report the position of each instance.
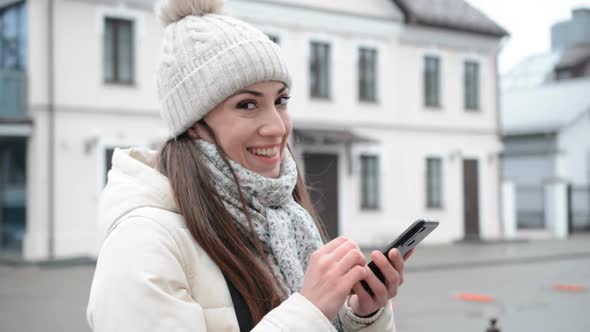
(273, 124)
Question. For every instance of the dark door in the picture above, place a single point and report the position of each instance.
(471, 199)
(13, 196)
(321, 174)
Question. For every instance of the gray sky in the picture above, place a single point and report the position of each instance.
(529, 23)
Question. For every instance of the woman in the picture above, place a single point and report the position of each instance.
(220, 216)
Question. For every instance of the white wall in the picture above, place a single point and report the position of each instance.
(574, 141)
(35, 242)
(37, 48)
(376, 8)
(452, 114)
(80, 170)
(91, 116)
(406, 132)
(79, 64)
(403, 195)
(532, 170)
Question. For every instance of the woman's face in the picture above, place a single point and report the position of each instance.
(252, 126)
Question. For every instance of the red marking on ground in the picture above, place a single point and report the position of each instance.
(569, 288)
(470, 297)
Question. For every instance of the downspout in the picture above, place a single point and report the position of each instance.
(51, 132)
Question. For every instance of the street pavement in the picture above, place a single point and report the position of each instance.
(511, 281)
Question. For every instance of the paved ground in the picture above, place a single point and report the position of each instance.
(519, 276)
(41, 299)
(523, 298)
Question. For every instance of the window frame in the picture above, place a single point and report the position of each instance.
(317, 76)
(471, 93)
(431, 201)
(118, 22)
(19, 10)
(430, 100)
(100, 149)
(363, 54)
(275, 38)
(367, 179)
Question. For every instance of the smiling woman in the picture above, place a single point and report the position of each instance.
(216, 231)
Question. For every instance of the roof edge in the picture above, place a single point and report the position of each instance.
(461, 29)
(411, 19)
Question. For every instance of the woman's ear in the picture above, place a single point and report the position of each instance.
(200, 130)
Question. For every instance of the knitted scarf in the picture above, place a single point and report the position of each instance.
(287, 232)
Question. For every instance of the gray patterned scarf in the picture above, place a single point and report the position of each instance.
(287, 232)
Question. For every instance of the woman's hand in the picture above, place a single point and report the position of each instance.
(362, 303)
(332, 272)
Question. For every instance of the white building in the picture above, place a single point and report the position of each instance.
(394, 107)
(547, 148)
(546, 133)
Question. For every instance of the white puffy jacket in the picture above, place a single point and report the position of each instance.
(152, 276)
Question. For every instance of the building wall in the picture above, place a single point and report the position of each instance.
(79, 58)
(376, 8)
(407, 132)
(91, 116)
(530, 160)
(403, 196)
(529, 170)
(36, 237)
(574, 141)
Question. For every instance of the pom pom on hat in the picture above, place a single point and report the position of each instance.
(170, 11)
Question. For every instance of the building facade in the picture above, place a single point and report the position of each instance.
(395, 112)
(546, 133)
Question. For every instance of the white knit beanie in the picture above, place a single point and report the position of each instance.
(206, 57)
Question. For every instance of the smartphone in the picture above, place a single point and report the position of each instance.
(408, 240)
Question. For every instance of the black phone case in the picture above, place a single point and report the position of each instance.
(409, 239)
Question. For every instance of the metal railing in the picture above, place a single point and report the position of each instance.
(13, 94)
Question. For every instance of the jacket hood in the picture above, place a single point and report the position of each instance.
(133, 182)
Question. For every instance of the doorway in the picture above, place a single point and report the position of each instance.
(321, 174)
(13, 197)
(471, 199)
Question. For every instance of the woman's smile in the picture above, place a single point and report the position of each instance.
(268, 154)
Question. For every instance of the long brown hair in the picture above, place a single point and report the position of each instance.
(241, 258)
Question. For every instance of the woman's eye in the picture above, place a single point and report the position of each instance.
(247, 105)
(283, 100)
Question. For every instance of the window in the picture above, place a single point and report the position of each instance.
(274, 38)
(563, 74)
(118, 51)
(471, 85)
(13, 37)
(108, 158)
(319, 70)
(433, 182)
(369, 182)
(367, 69)
(431, 81)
